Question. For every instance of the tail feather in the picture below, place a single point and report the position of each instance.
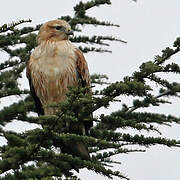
(76, 149)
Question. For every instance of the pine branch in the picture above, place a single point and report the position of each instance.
(11, 26)
(95, 39)
(93, 49)
(90, 20)
(99, 79)
(146, 141)
(81, 8)
(165, 93)
(9, 63)
(7, 114)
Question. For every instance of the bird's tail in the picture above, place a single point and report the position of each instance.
(76, 149)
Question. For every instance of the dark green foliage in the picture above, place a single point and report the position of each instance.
(35, 154)
(11, 27)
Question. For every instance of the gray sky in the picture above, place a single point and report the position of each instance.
(149, 27)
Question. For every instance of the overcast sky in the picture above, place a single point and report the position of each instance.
(148, 26)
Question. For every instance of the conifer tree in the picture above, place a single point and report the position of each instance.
(35, 154)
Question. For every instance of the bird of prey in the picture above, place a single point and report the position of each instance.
(54, 65)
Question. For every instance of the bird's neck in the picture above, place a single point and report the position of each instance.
(50, 37)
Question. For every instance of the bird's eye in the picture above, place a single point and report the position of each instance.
(58, 27)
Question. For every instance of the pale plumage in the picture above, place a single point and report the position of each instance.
(54, 65)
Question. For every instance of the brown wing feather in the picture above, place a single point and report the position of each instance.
(84, 76)
(82, 69)
(39, 107)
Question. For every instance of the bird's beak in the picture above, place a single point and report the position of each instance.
(70, 33)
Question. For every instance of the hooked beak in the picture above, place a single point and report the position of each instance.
(70, 33)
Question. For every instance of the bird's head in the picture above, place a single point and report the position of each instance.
(56, 30)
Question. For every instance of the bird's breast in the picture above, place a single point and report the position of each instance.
(55, 57)
(54, 68)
